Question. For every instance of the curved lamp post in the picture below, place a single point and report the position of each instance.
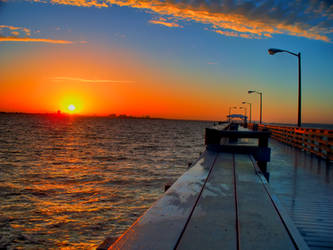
(274, 51)
(260, 93)
(250, 108)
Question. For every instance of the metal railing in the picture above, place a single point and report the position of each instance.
(316, 141)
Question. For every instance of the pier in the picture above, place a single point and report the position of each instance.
(244, 192)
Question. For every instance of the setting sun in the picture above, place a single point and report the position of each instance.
(71, 102)
(71, 107)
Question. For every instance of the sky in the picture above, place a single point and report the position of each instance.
(170, 59)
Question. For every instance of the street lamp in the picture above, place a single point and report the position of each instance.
(260, 93)
(272, 52)
(250, 108)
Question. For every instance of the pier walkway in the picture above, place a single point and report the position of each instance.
(224, 202)
(304, 185)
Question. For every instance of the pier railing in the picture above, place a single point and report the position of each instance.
(316, 141)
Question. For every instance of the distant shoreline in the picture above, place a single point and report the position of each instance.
(111, 116)
(123, 116)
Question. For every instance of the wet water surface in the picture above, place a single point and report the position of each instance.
(72, 181)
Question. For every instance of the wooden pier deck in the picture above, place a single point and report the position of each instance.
(222, 202)
(304, 185)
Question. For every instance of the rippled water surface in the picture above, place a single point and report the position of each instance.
(72, 181)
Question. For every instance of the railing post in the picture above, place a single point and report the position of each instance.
(263, 143)
(233, 127)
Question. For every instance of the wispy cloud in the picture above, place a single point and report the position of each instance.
(165, 22)
(76, 79)
(237, 34)
(80, 3)
(10, 33)
(28, 39)
(312, 19)
(15, 30)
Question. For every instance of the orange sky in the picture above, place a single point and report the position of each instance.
(122, 82)
(100, 83)
(164, 59)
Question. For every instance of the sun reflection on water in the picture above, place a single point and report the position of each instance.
(69, 182)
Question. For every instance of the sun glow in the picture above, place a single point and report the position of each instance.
(71, 107)
(71, 103)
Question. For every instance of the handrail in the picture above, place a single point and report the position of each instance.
(316, 141)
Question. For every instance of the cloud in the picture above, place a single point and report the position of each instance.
(20, 34)
(237, 34)
(28, 39)
(15, 30)
(65, 78)
(80, 3)
(227, 33)
(15, 33)
(312, 19)
(163, 21)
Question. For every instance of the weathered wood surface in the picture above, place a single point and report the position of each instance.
(287, 220)
(213, 223)
(220, 203)
(161, 226)
(260, 226)
(303, 184)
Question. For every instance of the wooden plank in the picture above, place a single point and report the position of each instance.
(260, 225)
(213, 223)
(292, 229)
(161, 226)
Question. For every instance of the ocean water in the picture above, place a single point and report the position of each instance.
(69, 182)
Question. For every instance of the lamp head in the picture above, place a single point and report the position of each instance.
(251, 91)
(272, 51)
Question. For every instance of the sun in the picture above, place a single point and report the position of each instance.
(71, 107)
(71, 104)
